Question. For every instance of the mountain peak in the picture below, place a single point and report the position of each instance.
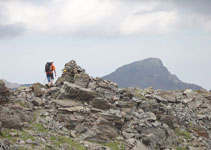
(150, 61)
(146, 73)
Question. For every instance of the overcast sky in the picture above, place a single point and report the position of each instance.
(102, 35)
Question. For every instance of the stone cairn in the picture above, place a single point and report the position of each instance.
(69, 72)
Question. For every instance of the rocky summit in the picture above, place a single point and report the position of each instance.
(85, 113)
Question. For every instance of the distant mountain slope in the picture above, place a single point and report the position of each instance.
(11, 85)
(148, 73)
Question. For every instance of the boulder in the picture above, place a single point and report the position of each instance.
(169, 120)
(80, 128)
(38, 101)
(154, 137)
(11, 121)
(100, 133)
(114, 121)
(81, 80)
(168, 95)
(4, 93)
(200, 131)
(14, 117)
(38, 90)
(101, 103)
(5, 145)
(134, 144)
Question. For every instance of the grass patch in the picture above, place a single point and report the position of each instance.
(114, 145)
(139, 95)
(6, 134)
(25, 136)
(57, 141)
(181, 148)
(21, 104)
(39, 127)
(186, 135)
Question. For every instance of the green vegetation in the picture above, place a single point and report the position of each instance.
(6, 134)
(181, 148)
(21, 104)
(25, 136)
(186, 135)
(39, 127)
(57, 141)
(139, 95)
(114, 145)
(182, 136)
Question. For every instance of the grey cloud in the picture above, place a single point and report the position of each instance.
(193, 6)
(36, 1)
(11, 30)
(199, 6)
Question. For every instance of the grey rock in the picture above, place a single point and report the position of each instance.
(169, 96)
(139, 146)
(73, 91)
(169, 120)
(82, 80)
(65, 103)
(38, 90)
(0, 126)
(128, 135)
(76, 109)
(160, 99)
(29, 141)
(14, 117)
(188, 91)
(113, 120)
(11, 121)
(80, 128)
(101, 103)
(94, 146)
(73, 133)
(4, 145)
(37, 101)
(65, 146)
(134, 144)
(4, 93)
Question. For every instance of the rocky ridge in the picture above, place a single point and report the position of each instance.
(86, 113)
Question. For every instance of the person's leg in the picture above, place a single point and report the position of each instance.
(52, 82)
(49, 81)
(52, 79)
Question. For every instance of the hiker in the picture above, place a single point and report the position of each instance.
(49, 69)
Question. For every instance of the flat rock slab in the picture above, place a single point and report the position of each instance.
(66, 103)
(75, 109)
